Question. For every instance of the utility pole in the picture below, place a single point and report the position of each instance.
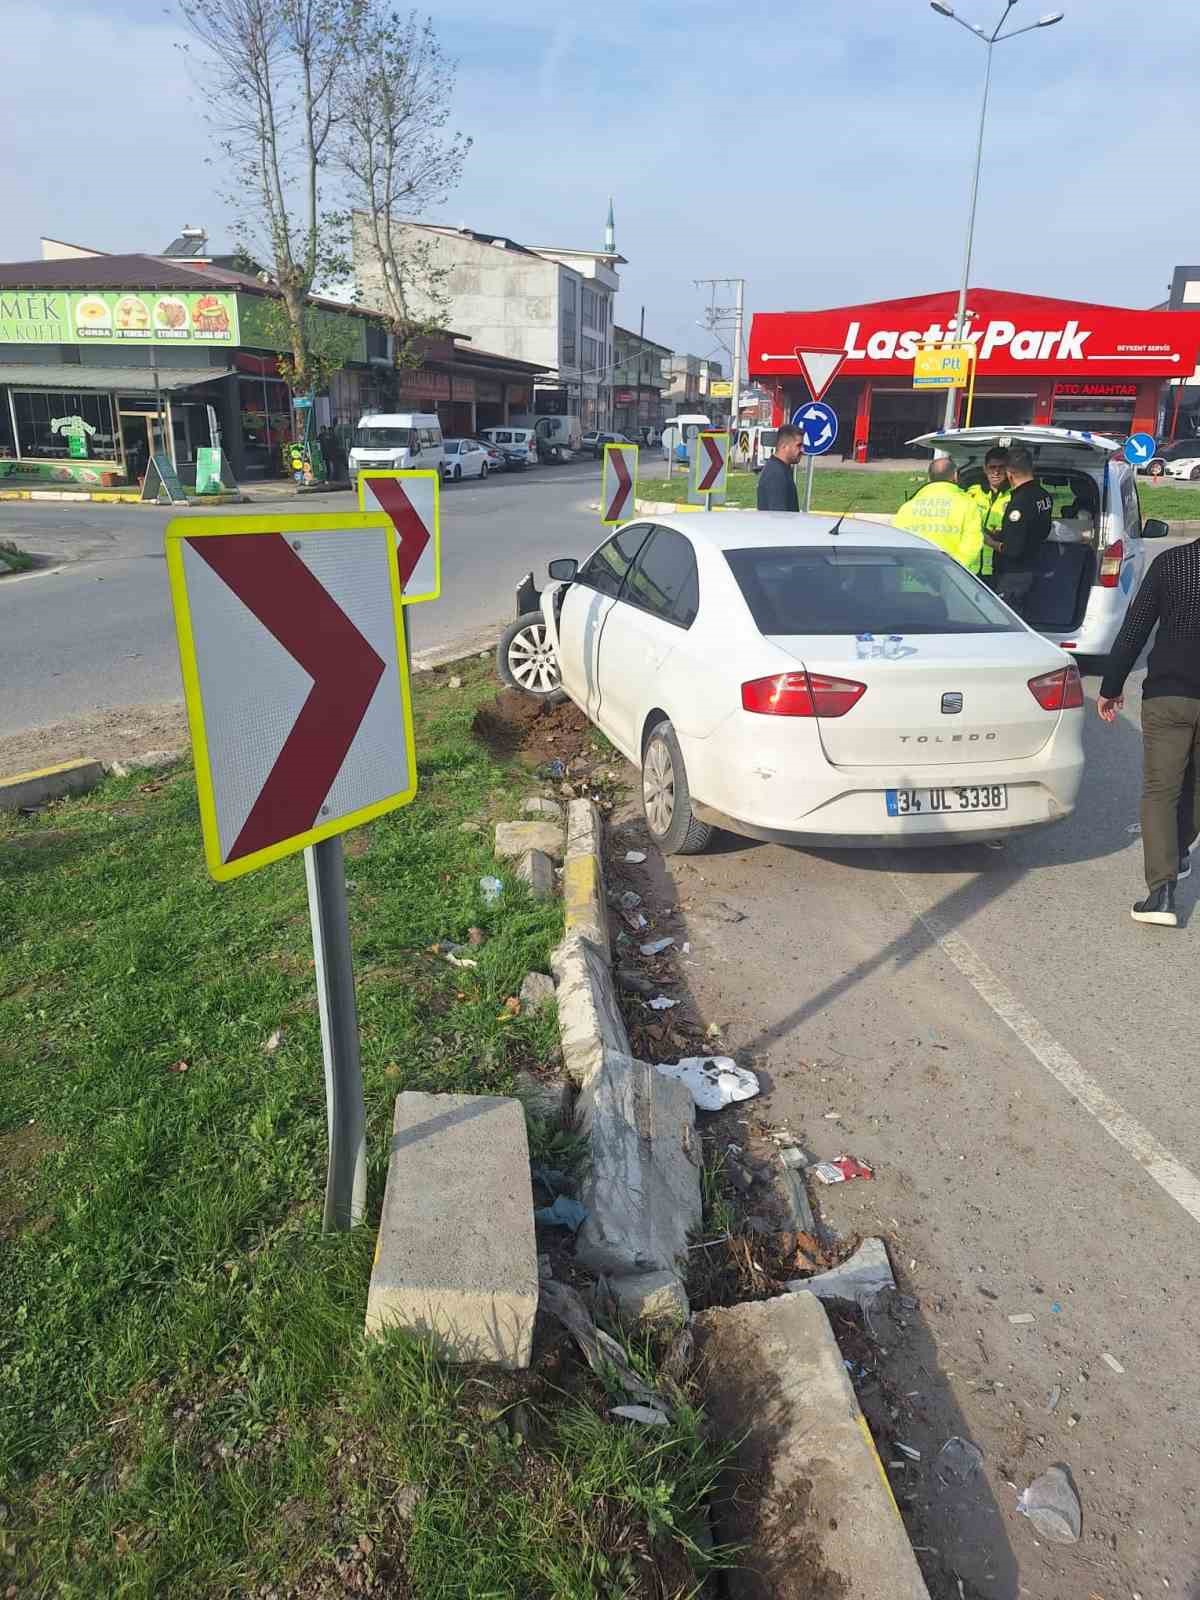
(720, 317)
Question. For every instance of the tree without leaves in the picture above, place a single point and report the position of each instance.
(271, 84)
(392, 107)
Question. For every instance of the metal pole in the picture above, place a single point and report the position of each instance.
(735, 394)
(158, 406)
(960, 316)
(346, 1118)
(808, 478)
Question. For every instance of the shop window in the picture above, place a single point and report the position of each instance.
(37, 412)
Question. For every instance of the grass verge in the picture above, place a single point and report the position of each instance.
(857, 489)
(187, 1405)
(13, 559)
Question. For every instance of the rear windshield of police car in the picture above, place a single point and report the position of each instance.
(864, 591)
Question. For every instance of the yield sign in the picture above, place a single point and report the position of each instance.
(290, 645)
(819, 368)
(413, 501)
(618, 483)
(708, 468)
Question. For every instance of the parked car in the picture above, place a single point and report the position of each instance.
(1178, 460)
(396, 441)
(465, 458)
(1090, 567)
(496, 461)
(517, 445)
(595, 441)
(795, 680)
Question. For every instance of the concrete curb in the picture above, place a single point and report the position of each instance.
(117, 497)
(35, 788)
(643, 1189)
(774, 1378)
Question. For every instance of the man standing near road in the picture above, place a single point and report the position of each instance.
(992, 497)
(1024, 531)
(1170, 597)
(776, 484)
(945, 515)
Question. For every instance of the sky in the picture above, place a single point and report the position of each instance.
(821, 151)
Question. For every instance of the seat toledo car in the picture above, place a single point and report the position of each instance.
(798, 679)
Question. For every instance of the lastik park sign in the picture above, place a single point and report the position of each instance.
(1013, 334)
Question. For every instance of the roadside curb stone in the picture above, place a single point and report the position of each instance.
(513, 839)
(590, 1024)
(537, 870)
(24, 789)
(584, 909)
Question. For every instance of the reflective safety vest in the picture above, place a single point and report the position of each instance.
(992, 507)
(946, 516)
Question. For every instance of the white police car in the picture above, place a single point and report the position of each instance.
(1090, 567)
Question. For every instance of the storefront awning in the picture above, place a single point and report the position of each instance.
(129, 380)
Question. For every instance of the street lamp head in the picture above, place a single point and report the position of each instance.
(942, 11)
(1050, 19)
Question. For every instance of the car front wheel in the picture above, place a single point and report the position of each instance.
(667, 799)
(483, 471)
(525, 659)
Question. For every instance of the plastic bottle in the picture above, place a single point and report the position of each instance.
(893, 647)
(865, 645)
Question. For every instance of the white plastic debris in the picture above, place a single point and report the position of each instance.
(958, 1460)
(714, 1081)
(1051, 1504)
(656, 947)
(273, 1041)
(908, 1450)
(1020, 1317)
(492, 889)
(635, 857)
(661, 1003)
(1111, 1361)
(650, 1415)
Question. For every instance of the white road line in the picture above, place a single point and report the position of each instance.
(1172, 1177)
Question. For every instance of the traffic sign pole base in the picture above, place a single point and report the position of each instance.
(346, 1116)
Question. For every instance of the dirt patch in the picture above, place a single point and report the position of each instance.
(100, 736)
(515, 724)
(21, 1152)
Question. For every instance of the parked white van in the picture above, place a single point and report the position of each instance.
(396, 440)
(518, 446)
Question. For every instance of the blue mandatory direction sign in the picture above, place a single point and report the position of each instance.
(819, 424)
(1140, 448)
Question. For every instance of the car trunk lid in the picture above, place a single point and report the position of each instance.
(939, 699)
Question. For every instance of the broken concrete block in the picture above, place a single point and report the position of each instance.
(655, 1297)
(589, 1015)
(642, 1190)
(539, 807)
(536, 991)
(773, 1379)
(585, 829)
(513, 839)
(456, 1257)
(537, 870)
(552, 1099)
(861, 1280)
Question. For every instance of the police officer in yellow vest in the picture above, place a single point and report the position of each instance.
(992, 499)
(945, 515)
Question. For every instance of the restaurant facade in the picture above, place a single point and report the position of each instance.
(1071, 364)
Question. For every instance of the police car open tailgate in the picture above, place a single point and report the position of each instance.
(1050, 447)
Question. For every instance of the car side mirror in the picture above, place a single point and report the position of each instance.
(563, 570)
(1155, 528)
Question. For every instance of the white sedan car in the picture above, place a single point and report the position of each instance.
(465, 458)
(794, 679)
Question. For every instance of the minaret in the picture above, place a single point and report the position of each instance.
(610, 232)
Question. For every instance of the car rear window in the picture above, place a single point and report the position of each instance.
(864, 591)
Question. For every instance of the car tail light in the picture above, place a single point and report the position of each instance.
(1061, 690)
(1110, 564)
(801, 694)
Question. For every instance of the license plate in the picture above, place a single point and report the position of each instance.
(937, 802)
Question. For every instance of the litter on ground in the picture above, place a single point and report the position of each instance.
(656, 947)
(650, 1415)
(842, 1170)
(861, 1280)
(1111, 1361)
(635, 857)
(661, 1003)
(958, 1460)
(1020, 1317)
(564, 1213)
(714, 1081)
(492, 890)
(1051, 1504)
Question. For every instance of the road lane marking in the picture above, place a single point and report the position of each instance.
(1172, 1177)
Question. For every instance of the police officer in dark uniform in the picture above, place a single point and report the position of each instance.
(1024, 531)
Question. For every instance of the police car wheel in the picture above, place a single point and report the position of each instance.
(525, 660)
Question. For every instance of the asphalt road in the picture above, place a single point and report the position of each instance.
(1017, 1059)
(94, 631)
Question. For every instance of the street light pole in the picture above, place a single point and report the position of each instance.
(997, 36)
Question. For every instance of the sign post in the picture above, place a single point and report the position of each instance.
(819, 425)
(290, 636)
(708, 469)
(947, 366)
(1140, 448)
(618, 483)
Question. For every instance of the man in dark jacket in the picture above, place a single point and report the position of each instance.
(776, 485)
(1023, 532)
(1170, 597)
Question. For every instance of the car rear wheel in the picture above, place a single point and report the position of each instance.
(457, 474)
(666, 798)
(525, 659)
(1194, 475)
(483, 470)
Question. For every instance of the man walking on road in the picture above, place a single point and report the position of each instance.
(945, 515)
(1170, 597)
(776, 485)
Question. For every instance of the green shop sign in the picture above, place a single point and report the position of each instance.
(118, 316)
